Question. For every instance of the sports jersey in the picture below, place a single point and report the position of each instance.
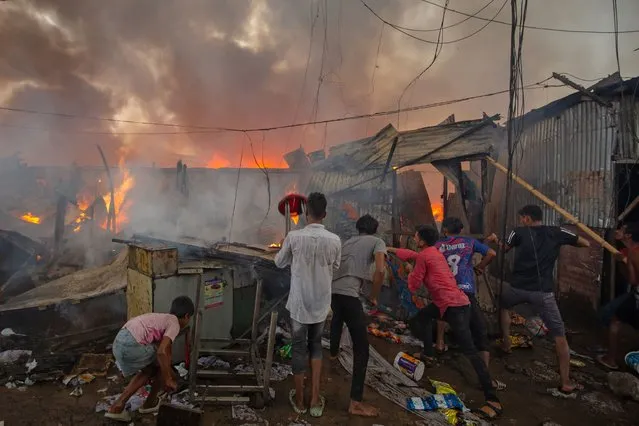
(458, 252)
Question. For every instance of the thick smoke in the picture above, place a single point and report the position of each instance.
(243, 64)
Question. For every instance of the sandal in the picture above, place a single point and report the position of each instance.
(124, 416)
(151, 410)
(489, 411)
(601, 361)
(291, 399)
(559, 392)
(499, 385)
(318, 410)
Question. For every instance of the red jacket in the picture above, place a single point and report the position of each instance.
(432, 271)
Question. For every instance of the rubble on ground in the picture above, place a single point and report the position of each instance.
(624, 384)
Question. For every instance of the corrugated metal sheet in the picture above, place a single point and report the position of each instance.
(333, 181)
(373, 152)
(568, 158)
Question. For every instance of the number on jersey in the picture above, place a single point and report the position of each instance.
(453, 263)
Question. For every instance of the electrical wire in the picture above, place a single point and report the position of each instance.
(532, 27)
(397, 28)
(421, 30)
(207, 130)
(237, 187)
(438, 49)
(264, 170)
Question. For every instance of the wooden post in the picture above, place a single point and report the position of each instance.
(628, 209)
(484, 194)
(60, 213)
(445, 199)
(592, 234)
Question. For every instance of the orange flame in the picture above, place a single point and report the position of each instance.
(275, 245)
(120, 202)
(295, 218)
(218, 161)
(438, 211)
(29, 217)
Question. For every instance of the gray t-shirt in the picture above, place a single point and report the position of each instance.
(358, 255)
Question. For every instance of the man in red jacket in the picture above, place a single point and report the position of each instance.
(450, 304)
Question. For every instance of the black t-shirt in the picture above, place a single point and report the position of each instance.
(536, 250)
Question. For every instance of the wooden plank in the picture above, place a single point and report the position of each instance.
(139, 293)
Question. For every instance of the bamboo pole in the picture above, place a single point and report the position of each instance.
(630, 208)
(592, 234)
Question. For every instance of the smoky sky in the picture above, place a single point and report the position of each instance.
(243, 64)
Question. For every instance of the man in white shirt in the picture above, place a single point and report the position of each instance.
(314, 256)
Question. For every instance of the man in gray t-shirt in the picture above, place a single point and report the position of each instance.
(359, 254)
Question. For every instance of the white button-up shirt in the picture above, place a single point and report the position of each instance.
(314, 255)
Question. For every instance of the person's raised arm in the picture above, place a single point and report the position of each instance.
(513, 240)
(565, 237)
(404, 254)
(487, 253)
(284, 257)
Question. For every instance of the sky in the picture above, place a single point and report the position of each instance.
(252, 64)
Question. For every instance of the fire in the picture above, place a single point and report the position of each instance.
(438, 211)
(31, 218)
(275, 245)
(295, 218)
(120, 193)
(218, 161)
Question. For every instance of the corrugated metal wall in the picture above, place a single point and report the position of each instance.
(569, 158)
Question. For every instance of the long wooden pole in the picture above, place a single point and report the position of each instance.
(628, 209)
(592, 234)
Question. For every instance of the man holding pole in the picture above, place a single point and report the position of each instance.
(536, 251)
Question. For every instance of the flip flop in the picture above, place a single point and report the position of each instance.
(601, 361)
(499, 385)
(151, 410)
(487, 415)
(318, 410)
(291, 399)
(560, 393)
(124, 416)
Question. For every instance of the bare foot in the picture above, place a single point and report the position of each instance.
(361, 409)
(607, 362)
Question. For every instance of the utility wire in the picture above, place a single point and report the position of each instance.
(533, 27)
(420, 30)
(397, 28)
(207, 130)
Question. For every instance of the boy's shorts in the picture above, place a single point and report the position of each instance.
(131, 356)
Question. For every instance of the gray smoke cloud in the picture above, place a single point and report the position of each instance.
(244, 64)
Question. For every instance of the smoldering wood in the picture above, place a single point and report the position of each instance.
(111, 219)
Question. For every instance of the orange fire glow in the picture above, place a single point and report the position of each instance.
(120, 201)
(29, 217)
(438, 211)
(218, 161)
(295, 218)
(275, 245)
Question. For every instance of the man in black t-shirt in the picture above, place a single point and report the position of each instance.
(536, 251)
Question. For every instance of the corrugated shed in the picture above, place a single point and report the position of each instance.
(566, 151)
(476, 138)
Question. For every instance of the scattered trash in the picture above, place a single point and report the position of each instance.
(76, 392)
(297, 422)
(13, 356)
(408, 339)
(31, 365)
(388, 335)
(536, 327)
(518, 341)
(103, 390)
(246, 414)
(113, 378)
(632, 360)
(213, 362)
(434, 402)
(517, 319)
(29, 382)
(411, 367)
(181, 370)
(624, 384)
(181, 399)
(578, 355)
(577, 363)
(271, 393)
(280, 372)
(285, 351)
(10, 385)
(7, 332)
(557, 394)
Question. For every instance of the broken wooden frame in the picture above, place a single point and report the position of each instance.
(228, 393)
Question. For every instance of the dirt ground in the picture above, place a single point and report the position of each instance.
(527, 372)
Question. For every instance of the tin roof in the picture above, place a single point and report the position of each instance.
(461, 140)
